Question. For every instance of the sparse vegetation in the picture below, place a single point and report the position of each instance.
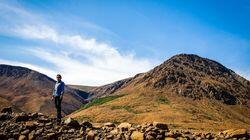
(100, 101)
(128, 108)
(209, 116)
(163, 100)
(116, 122)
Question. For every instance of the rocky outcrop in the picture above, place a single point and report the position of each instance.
(6, 110)
(196, 77)
(39, 126)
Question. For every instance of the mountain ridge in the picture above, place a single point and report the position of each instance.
(215, 69)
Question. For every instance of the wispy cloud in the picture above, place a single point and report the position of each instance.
(97, 62)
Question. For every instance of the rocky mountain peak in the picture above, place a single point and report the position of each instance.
(191, 76)
(197, 77)
(196, 63)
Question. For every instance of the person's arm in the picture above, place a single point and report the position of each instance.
(52, 94)
(62, 92)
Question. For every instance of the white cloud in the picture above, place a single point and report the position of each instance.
(101, 63)
(104, 63)
(75, 72)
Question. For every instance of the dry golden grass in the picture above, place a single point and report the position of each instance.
(181, 113)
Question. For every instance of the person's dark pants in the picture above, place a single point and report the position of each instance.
(58, 108)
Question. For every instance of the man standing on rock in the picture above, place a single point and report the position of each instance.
(58, 96)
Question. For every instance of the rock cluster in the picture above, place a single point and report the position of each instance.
(22, 126)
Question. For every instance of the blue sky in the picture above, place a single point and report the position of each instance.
(98, 42)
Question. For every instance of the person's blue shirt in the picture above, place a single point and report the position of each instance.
(59, 88)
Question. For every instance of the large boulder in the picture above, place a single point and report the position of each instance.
(51, 136)
(43, 120)
(86, 124)
(34, 115)
(6, 110)
(71, 122)
(91, 135)
(22, 137)
(124, 126)
(25, 132)
(5, 116)
(109, 124)
(160, 125)
(136, 135)
(31, 135)
(21, 117)
(31, 125)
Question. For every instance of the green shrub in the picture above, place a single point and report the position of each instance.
(99, 101)
(163, 100)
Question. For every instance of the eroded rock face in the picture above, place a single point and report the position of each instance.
(30, 127)
(196, 77)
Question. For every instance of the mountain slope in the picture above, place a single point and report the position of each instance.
(82, 88)
(31, 91)
(189, 76)
(187, 91)
(107, 89)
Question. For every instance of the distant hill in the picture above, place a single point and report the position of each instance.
(31, 91)
(187, 90)
(82, 88)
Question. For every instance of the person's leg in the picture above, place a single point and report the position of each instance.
(59, 109)
(56, 102)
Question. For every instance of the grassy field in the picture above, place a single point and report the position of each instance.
(99, 101)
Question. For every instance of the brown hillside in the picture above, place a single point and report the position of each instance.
(31, 91)
(186, 91)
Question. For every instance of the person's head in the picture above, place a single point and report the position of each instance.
(58, 77)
